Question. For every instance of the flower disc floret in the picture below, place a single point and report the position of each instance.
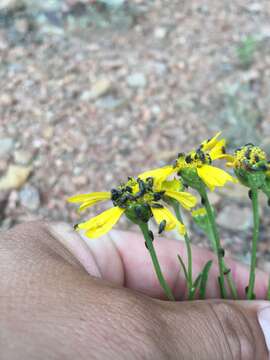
(251, 158)
(250, 166)
(136, 191)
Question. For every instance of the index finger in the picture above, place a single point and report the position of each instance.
(122, 258)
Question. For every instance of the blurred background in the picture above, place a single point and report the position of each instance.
(94, 91)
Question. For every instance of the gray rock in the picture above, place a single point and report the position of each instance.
(99, 88)
(6, 146)
(110, 102)
(235, 218)
(29, 197)
(113, 3)
(255, 7)
(136, 80)
(9, 5)
(22, 157)
(160, 33)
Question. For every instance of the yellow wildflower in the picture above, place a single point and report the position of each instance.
(170, 188)
(139, 199)
(251, 167)
(198, 163)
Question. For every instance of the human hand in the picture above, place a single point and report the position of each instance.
(50, 308)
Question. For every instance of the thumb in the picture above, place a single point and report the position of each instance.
(216, 329)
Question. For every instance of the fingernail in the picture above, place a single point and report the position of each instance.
(76, 245)
(264, 321)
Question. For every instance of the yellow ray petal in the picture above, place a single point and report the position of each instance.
(171, 221)
(102, 223)
(213, 176)
(174, 185)
(217, 151)
(187, 200)
(97, 196)
(89, 203)
(208, 145)
(159, 175)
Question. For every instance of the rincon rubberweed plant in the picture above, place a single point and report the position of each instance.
(196, 170)
(160, 194)
(139, 199)
(252, 169)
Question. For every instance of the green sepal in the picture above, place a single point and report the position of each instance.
(253, 179)
(266, 187)
(191, 178)
(138, 213)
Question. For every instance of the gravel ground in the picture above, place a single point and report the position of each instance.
(91, 94)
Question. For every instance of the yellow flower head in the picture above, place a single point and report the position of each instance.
(139, 199)
(248, 157)
(250, 165)
(197, 166)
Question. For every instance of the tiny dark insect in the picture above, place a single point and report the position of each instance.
(247, 153)
(157, 196)
(263, 167)
(150, 181)
(75, 227)
(180, 155)
(250, 194)
(227, 271)
(221, 252)
(157, 206)
(115, 194)
(151, 235)
(138, 211)
(141, 186)
(188, 159)
(162, 226)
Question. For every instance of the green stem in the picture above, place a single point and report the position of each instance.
(256, 225)
(211, 217)
(189, 252)
(162, 281)
(221, 264)
(268, 291)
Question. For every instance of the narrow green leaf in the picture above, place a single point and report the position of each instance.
(183, 266)
(203, 283)
(195, 286)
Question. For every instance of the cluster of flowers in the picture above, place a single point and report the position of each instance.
(162, 192)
